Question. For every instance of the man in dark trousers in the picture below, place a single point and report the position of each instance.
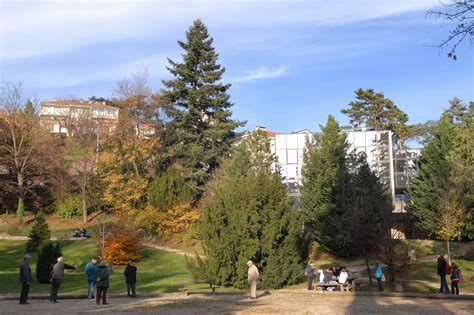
(131, 278)
(56, 278)
(442, 274)
(25, 279)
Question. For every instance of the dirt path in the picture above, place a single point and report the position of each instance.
(270, 303)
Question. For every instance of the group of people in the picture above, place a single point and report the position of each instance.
(332, 275)
(444, 269)
(97, 278)
(340, 275)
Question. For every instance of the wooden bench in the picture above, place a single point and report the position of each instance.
(342, 287)
(186, 291)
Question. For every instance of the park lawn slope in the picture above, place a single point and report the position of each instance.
(158, 271)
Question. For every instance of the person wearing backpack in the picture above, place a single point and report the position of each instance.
(442, 266)
(456, 278)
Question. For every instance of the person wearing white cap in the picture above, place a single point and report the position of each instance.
(252, 277)
(25, 279)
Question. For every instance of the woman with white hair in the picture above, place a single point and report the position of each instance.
(252, 277)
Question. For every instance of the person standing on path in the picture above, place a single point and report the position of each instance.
(309, 274)
(455, 279)
(57, 276)
(91, 269)
(25, 278)
(252, 277)
(379, 275)
(102, 278)
(131, 278)
(442, 274)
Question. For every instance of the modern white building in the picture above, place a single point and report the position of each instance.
(394, 167)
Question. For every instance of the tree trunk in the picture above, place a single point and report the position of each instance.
(449, 252)
(84, 207)
(368, 270)
(20, 211)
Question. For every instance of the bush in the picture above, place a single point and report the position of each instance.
(39, 235)
(69, 207)
(176, 219)
(46, 259)
(121, 246)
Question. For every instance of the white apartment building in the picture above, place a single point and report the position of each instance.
(54, 114)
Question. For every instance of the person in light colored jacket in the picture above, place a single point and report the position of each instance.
(252, 277)
(57, 275)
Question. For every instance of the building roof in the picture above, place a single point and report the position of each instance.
(77, 103)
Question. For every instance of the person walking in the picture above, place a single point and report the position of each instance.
(57, 276)
(379, 275)
(91, 269)
(102, 278)
(309, 274)
(442, 274)
(252, 277)
(131, 278)
(25, 278)
(456, 277)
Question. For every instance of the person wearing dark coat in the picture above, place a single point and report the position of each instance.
(442, 275)
(57, 275)
(131, 278)
(102, 278)
(25, 278)
(309, 275)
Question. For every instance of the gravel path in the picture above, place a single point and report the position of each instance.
(270, 303)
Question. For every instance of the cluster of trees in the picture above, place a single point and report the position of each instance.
(442, 193)
(189, 170)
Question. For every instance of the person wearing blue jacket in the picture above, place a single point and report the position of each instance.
(91, 270)
(379, 275)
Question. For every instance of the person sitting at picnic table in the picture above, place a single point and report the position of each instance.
(320, 278)
(343, 276)
(77, 232)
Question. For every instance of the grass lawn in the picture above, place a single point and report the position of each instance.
(157, 271)
(428, 271)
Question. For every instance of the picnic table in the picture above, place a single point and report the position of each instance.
(341, 286)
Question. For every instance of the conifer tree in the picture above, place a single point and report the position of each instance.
(199, 107)
(247, 216)
(373, 110)
(324, 164)
(39, 235)
(46, 259)
(432, 185)
(168, 190)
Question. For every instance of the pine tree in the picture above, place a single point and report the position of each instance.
(461, 161)
(324, 164)
(373, 110)
(39, 235)
(456, 110)
(432, 185)
(247, 216)
(199, 107)
(46, 259)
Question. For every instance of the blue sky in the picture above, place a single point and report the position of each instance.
(291, 63)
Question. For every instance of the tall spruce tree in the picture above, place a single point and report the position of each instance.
(324, 164)
(461, 160)
(432, 186)
(373, 110)
(247, 216)
(199, 107)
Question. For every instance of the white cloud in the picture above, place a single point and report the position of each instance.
(261, 73)
(35, 28)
